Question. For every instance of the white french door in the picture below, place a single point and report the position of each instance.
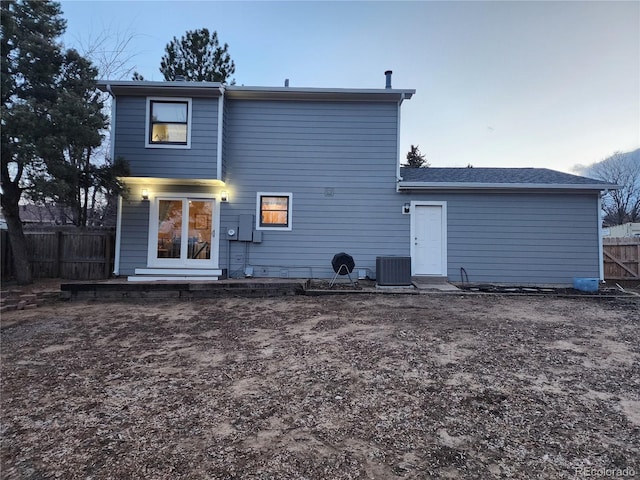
(182, 232)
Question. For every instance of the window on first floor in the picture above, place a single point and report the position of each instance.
(168, 122)
(274, 211)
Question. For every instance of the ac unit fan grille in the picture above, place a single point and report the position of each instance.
(393, 271)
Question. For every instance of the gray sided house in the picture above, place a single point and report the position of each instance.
(274, 181)
(504, 225)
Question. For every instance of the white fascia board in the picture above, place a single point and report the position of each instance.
(501, 186)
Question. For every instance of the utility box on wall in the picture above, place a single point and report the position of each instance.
(393, 271)
(245, 228)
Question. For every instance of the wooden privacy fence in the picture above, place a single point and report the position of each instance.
(73, 255)
(621, 258)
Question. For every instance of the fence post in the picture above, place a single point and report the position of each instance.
(107, 256)
(59, 253)
(7, 260)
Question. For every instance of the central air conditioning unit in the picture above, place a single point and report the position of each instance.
(393, 271)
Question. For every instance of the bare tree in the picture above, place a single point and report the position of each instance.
(109, 50)
(623, 169)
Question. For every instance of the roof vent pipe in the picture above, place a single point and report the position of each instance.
(179, 78)
(388, 75)
(286, 82)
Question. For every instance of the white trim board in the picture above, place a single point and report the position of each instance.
(144, 278)
(178, 271)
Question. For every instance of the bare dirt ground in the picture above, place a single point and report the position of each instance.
(331, 387)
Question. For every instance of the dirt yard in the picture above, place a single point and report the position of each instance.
(331, 387)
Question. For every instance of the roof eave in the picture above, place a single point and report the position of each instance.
(458, 186)
(135, 87)
(296, 93)
(205, 89)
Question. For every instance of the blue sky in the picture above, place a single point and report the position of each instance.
(498, 84)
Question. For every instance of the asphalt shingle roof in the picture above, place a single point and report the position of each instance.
(541, 176)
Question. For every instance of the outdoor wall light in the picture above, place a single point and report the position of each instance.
(224, 196)
(406, 208)
(145, 194)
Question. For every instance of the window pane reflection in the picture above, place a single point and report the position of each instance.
(172, 133)
(200, 214)
(274, 211)
(169, 228)
(169, 112)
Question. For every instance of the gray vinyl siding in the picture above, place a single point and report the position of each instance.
(304, 148)
(134, 235)
(519, 238)
(199, 161)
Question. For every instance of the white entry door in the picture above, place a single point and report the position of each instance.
(429, 238)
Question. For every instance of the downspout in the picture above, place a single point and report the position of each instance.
(112, 139)
(398, 177)
(116, 259)
(219, 174)
(600, 247)
(220, 134)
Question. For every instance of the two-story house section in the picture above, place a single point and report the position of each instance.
(274, 181)
(261, 181)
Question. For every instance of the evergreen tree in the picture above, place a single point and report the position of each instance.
(415, 159)
(51, 121)
(72, 177)
(31, 59)
(197, 57)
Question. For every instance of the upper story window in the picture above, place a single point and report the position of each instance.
(273, 211)
(168, 122)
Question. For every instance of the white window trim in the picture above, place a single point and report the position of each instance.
(147, 115)
(153, 260)
(289, 227)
